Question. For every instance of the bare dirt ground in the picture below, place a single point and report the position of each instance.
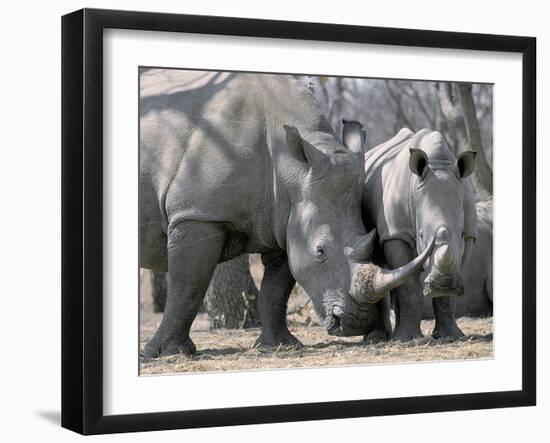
(233, 350)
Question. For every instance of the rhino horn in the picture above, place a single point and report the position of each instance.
(371, 283)
(444, 258)
(362, 247)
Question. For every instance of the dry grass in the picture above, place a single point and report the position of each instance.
(232, 350)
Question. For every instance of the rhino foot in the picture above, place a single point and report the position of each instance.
(376, 336)
(407, 334)
(283, 341)
(154, 349)
(450, 331)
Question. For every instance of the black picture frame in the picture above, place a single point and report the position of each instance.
(82, 218)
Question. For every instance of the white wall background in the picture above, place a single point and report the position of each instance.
(30, 218)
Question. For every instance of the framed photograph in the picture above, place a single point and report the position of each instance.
(269, 221)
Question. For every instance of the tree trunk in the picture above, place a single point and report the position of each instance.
(457, 106)
(450, 108)
(483, 178)
(231, 298)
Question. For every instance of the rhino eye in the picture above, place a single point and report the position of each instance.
(320, 254)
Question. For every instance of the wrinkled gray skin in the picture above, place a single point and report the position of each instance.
(415, 191)
(478, 272)
(222, 174)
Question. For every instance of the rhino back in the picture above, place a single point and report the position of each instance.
(387, 187)
(208, 144)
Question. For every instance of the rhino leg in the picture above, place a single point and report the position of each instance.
(408, 298)
(277, 284)
(194, 249)
(382, 329)
(158, 289)
(445, 322)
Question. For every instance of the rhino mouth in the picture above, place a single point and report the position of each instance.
(440, 285)
(349, 322)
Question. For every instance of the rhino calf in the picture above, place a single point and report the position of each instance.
(414, 192)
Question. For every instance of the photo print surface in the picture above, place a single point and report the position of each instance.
(312, 221)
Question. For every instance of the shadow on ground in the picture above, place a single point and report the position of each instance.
(54, 417)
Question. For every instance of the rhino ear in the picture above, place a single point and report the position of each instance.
(466, 163)
(418, 162)
(305, 151)
(354, 136)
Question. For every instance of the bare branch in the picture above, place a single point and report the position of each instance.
(395, 99)
(424, 109)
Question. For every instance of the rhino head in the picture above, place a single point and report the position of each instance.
(438, 207)
(328, 249)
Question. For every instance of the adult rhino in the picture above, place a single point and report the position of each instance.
(478, 272)
(415, 191)
(233, 163)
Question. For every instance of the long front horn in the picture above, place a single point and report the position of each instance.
(371, 283)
